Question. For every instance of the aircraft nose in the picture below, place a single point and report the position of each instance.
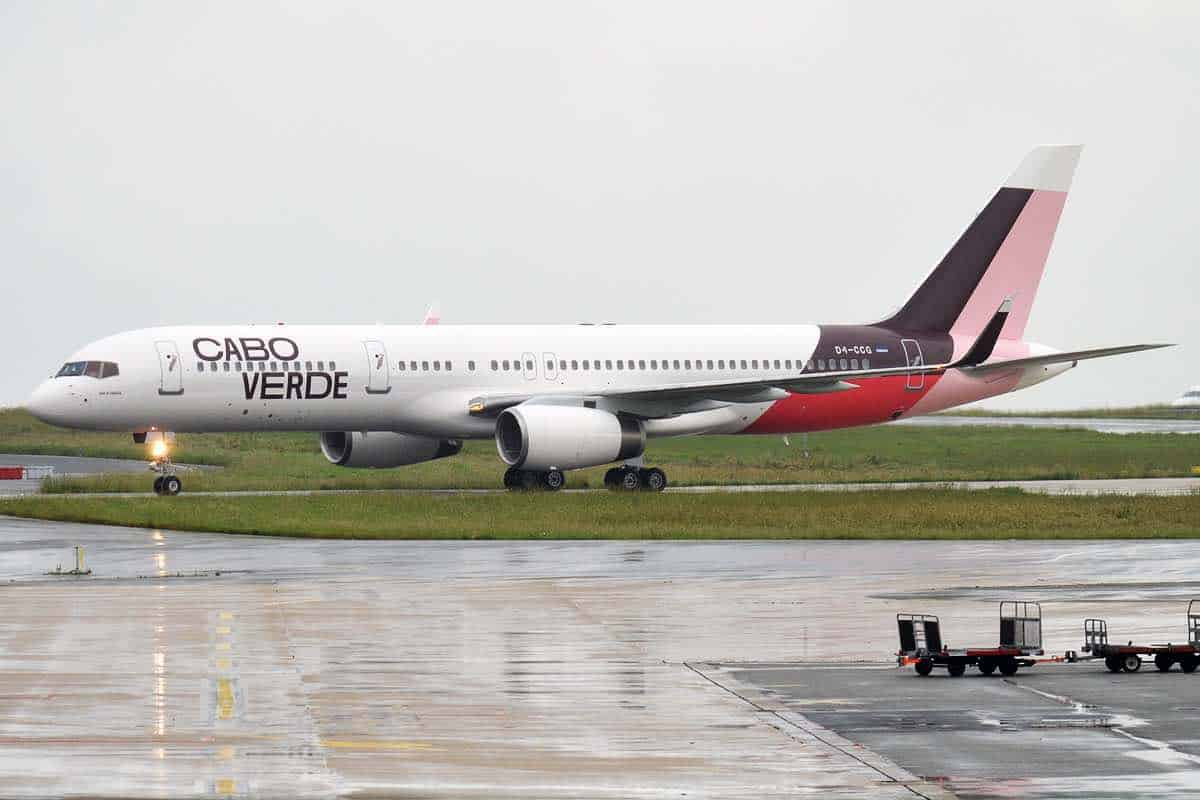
(46, 403)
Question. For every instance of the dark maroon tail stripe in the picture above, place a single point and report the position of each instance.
(941, 298)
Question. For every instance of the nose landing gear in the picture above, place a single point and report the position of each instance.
(167, 483)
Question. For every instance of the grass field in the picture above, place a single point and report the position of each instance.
(875, 454)
(1129, 412)
(913, 514)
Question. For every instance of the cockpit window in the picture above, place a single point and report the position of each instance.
(89, 369)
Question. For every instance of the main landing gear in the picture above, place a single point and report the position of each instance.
(551, 480)
(631, 479)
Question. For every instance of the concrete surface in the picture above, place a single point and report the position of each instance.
(234, 666)
(74, 465)
(1099, 424)
(1069, 730)
(1124, 486)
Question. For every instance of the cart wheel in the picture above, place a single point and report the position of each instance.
(1163, 662)
(924, 667)
(1009, 667)
(987, 666)
(1188, 664)
(1113, 663)
(1131, 662)
(956, 669)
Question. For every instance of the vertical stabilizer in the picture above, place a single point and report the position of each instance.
(1002, 254)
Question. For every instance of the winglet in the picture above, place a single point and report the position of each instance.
(981, 350)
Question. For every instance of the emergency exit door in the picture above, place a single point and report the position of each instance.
(379, 374)
(171, 381)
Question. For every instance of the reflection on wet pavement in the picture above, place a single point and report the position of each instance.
(210, 665)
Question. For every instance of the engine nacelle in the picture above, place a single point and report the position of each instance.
(537, 437)
(384, 448)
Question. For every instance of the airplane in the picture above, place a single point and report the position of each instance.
(562, 397)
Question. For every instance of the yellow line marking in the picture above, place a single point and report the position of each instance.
(226, 786)
(223, 630)
(222, 663)
(225, 753)
(222, 645)
(224, 699)
(375, 744)
(226, 615)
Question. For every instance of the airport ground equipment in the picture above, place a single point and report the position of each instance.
(1020, 643)
(1128, 657)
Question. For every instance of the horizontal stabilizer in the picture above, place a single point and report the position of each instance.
(1061, 358)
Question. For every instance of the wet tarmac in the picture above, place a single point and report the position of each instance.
(1071, 730)
(229, 666)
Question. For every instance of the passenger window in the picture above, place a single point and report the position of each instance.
(866, 363)
(199, 368)
(529, 366)
(549, 365)
(495, 366)
(620, 364)
(505, 364)
(562, 363)
(641, 364)
(585, 364)
(425, 366)
(471, 366)
(787, 364)
(820, 363)
(574, 364)
(237, 365)
(743, 363)
(809, 365)
(710, 366)
(654, 363)
(843, 364)
(308, 366)
(687, 363)
(400, 366)
(608, 363)
(274, 366)
(854, 363)
(777, 363)
(321, 365)
(754, 363)
(449, 366)
(333, 365)
(721, 363)
(412, 366)
(226, 366)
(675, 364)
(437, 366)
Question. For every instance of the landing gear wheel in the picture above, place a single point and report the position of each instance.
(1163, 662)
(1113, 663)
(924, 667)
(554, 480)
(654, 479)
(1188, 665)
(1131, 662)
(987, 667)
(527, 480)
(511, 476)
(158, 484)
(612, 478)
(1009, 667)
(171, 485)
(631, 480)
(956, 669)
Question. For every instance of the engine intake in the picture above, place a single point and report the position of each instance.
(537, 437)
(384, 448)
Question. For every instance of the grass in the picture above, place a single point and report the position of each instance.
(1129, 412)
(270, 461)
(913, 514)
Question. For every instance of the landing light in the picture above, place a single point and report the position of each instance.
(159, 450)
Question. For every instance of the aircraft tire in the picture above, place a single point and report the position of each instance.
(653, 479)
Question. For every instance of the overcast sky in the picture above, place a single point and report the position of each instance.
(170, 163)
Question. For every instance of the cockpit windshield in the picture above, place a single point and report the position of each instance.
(89, 369)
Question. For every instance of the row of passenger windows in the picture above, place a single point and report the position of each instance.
(274, 366)
(564, 365)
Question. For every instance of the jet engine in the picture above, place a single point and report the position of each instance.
(384, 448)
(542, 437)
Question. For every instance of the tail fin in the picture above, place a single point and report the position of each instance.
(1002, 254)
